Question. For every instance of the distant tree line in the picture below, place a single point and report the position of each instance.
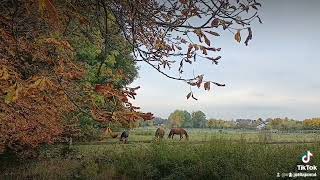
(198, 119)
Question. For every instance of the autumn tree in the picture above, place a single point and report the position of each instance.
(170, 33)
(313, 123)
(220, 124)
(46, 72)
(285, 124)
(176, 119)
(42, 84)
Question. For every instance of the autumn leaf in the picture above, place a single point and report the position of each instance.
(49, 6)
(4, 74)
(215, 22)
(196, 47)
(206, 40)
(237, 36)
(213, 33)
(189, 48)
(198, 32)
(41, 84)
(200, 78)
(204, 50)
(183, 1)
(206, 86)
(188, 96)
(12, 94)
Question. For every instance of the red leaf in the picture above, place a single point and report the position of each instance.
(207, 86)
(215, 22)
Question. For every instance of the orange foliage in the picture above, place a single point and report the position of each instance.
(33, 102)
(312, 123)
(127, 113)
(38, 82)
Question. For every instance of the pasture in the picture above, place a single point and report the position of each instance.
(209, 154)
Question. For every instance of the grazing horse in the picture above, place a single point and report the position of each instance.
(179, 131)
(124, 136)
(159, 133)
(112, 134)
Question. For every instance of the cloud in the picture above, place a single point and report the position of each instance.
(276, 75)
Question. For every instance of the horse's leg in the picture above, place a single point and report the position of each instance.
(172, 135)
(181, 137)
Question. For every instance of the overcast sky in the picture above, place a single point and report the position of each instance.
(277, 75)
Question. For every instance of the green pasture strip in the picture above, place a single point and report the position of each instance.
(216, 159)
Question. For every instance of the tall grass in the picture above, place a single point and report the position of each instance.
(216, 159)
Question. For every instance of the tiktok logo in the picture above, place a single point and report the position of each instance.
(306, 157)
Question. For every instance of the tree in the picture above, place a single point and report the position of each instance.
(176, 118)
(41, 82)
(313, 123)
(220, 124)
(285, 124)
(180, 118)
(199, 119)
(62, 57)
(160, 30)
(187, 121)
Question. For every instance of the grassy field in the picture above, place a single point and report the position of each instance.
(209, 154)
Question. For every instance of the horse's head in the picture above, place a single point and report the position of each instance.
(186, 134)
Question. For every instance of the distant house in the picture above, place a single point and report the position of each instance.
(251, 124)
(261, 126)
(158, 121)
(244, 123)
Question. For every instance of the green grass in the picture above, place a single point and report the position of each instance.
(207, 155)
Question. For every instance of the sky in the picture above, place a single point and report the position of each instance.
(275, 76)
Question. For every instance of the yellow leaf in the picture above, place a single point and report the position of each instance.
(12, 94)
(42, 6)
(237, 36)
(4, 74)
(49, 6)
(42, 83)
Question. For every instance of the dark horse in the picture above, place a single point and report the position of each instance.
(124, 136)
(159, 133)
(179, 131)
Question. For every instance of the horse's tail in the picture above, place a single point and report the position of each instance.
(157, 132)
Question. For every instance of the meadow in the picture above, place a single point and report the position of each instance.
(209, 154)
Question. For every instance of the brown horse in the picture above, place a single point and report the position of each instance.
(109, 131)
(159, 133)
(179, 131)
